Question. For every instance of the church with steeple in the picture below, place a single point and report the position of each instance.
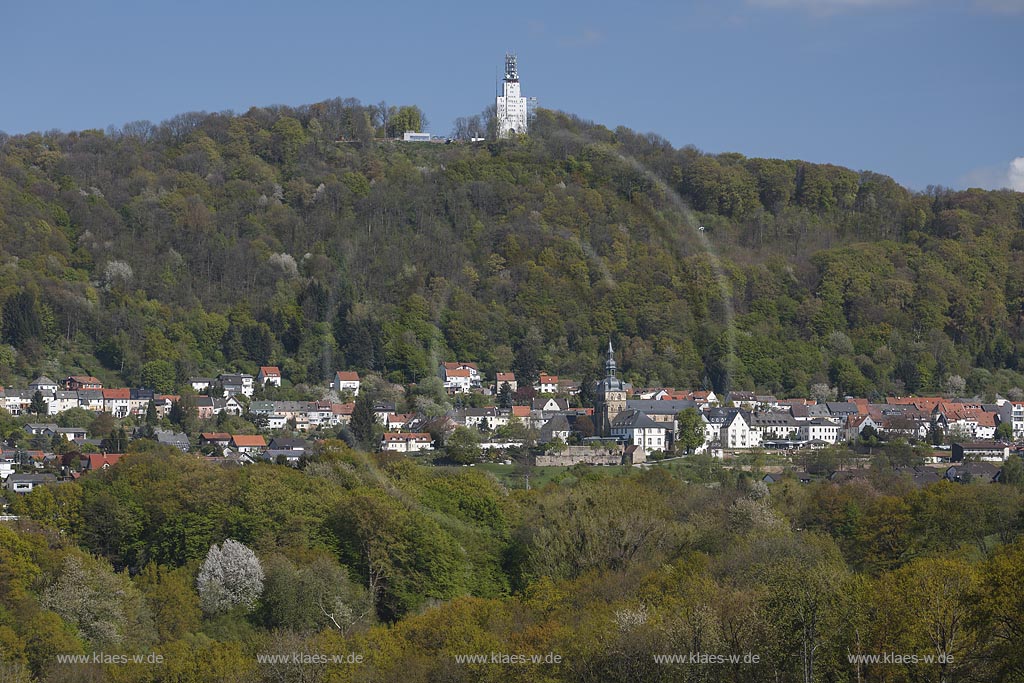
(610, 397)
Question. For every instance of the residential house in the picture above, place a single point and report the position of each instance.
(41, 428)
(138, 401)
(91, 399)
(117, 402)
(177, 439)
(319, 414)
(72, 433)
(547, 384)
(17, 402)
(969, 472)
(206, 407)
(163, 404)
(80, 382)
(395, 422)
(346, 381)
(201, 384)
(221, 439)
(237, 383)
(989, 451)
(288, 443)
(821, 429)
(633, 428)
(555, 428)
(44, 385)
(487, 419)
(459, 378)
(277, 421)
(746, 400)
(773, 425)
(736, 432)
(283, 456)
(456, 380)
(61, 401)
(269, 374)
(505, 378)
(550, 405)
(100, 461)
(244, 443)
(24, 483)
(840, 410)
(1013, 412)
(855, 424)
(661, 410)
(342, 412)
(406, 442)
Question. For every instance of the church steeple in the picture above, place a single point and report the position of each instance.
(611, 395)
(609, 365)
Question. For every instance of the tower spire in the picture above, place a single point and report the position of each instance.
(609, 365)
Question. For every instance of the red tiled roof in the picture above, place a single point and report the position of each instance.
(343, 408)
(98, 461)
(407, 436)
(520, 411)
(246, 441)
(270, 371)
(346, 376)
(216, 436)
(116, 394)
(457, 372)
(506, 377)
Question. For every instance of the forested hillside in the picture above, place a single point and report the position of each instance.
(412, 568)
(291, 236)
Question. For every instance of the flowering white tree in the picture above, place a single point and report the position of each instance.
(231, 575)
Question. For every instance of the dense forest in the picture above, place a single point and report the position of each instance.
(411, 567)
(295, 236)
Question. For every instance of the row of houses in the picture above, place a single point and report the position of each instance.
(463, 378)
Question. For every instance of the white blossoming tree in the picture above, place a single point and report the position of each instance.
(231, 576)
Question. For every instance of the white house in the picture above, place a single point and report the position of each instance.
(117, 402)
(633, 428)
(456, 380)
(269, 374)
(236, 383)
(737, 433)
(63, 400)
(200, 384)
(547, 384)
(44, 385)
(406, 442)
(821, 429)
(346, 381)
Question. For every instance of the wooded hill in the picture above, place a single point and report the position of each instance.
(291, 236)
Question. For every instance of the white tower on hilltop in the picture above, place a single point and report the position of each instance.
(511, 107)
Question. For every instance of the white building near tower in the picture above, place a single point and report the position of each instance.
(511, 108)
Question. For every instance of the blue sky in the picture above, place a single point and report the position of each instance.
(930, 92)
